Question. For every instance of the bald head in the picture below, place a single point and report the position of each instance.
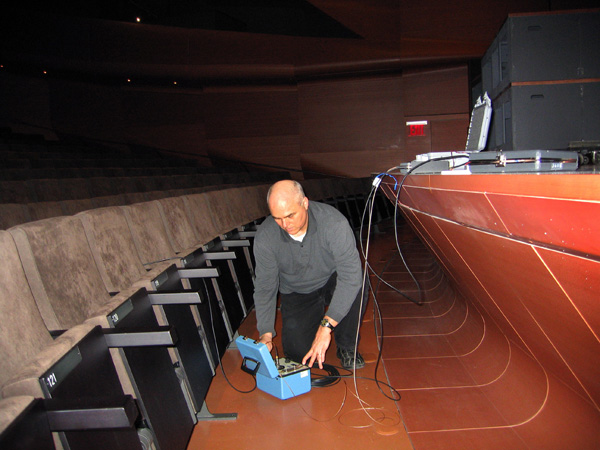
(289, 206)
(288, 190)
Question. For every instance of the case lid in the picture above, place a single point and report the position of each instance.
(257, 354)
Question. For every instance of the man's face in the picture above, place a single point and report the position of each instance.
(290, 214)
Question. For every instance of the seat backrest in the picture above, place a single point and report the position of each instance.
(71, 207)
(112, 247)
(220, 210)
(313, 189)
(177, 223)
(104, 186)
(46, 189)
(44, 210)
(255, 201)
(109, 200)
(239, 205)
(74, 189)
(148, 231)
(16, 192)
(12, 214)
(60, 269)
(201, 217)
(23, 332)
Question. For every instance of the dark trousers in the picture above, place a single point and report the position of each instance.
(301, 316)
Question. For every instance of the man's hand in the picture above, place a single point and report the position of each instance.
(319, 346)
(267, 339)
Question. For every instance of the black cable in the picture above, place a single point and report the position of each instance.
(332, 378)
(214, 335)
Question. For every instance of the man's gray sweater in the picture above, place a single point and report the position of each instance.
(286, 265)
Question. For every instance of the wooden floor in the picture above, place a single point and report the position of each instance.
(464, 383)
(330, 417)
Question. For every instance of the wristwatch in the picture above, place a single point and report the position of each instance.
(325, 323)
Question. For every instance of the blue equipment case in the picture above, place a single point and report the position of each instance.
(287, 379)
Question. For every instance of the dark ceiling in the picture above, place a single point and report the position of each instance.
(369, 19)
(282, 17)
(271, 37)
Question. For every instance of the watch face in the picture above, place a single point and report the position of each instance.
(325, 323)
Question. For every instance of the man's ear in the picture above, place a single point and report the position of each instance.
(305, 202)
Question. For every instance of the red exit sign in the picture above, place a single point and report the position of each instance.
(416, 128)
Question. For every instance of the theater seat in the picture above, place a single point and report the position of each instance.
(117, 259)
(68, 290)
(65, 369)
(12, 214)
(152, 241)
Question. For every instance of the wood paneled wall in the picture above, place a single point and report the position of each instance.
(346, 126)
(289, 102)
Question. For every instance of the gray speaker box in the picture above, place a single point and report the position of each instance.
(544, 47)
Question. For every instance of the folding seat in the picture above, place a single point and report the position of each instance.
(145, 183)
(75, 371)
(208, 248)
(16, 163)
(74, 189)
(229, 213)
(213, 179)
(313, 189)
(46, 190)
(16, 192)
(257, 209)
(38, 174)
(71, 207)
(335, 197)
(183, 236)
(166, 182)
(15, 174)
(134, 197)
(109, 200)
(155, 195)
(348, 190)
(120, 267)
(69, 290)
(44, 210)
(12, 214)
(67, 172)
(114, 172)
(152, 243)
(103, 186)
(89, 172)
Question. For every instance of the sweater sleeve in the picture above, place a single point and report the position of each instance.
(266, 285)
(348, 267)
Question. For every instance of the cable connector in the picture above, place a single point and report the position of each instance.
(377, 181)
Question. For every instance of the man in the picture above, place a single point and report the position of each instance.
(307, 252)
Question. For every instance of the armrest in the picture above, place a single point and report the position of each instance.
(212, 255)
(174, 298)
(140, 337)
(205, 272)
(104, 413)
(229, 243)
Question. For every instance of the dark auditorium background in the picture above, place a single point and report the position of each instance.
(321, 86)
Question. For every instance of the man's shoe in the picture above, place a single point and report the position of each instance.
(347, 359)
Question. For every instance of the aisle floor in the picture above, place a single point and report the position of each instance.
(332, 417)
